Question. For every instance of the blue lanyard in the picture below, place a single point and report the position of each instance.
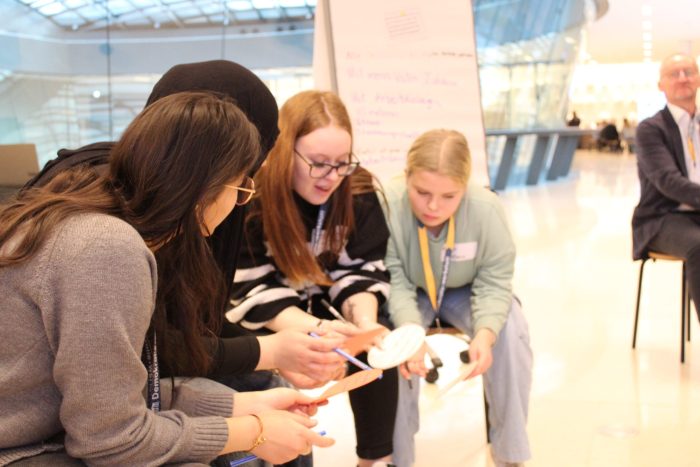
(318, 230)
(443, 279)
(315, 240)
(153, 401)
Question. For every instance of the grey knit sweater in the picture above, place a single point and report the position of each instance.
(74, 319)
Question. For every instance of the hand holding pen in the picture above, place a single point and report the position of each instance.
(347, 356)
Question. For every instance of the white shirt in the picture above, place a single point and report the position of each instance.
(688, 128)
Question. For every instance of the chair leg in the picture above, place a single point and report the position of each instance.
(687, 310)
(684, 314)
(639, 295)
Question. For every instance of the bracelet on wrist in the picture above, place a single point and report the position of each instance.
(261, 438)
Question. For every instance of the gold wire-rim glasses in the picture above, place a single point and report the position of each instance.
(245, 192)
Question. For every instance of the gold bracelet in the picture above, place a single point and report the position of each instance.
(260, 439)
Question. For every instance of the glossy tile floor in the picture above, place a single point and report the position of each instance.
(595, 402)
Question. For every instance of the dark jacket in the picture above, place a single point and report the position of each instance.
(663, 178)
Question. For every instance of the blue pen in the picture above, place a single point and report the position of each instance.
(246, 459)
(348, 357)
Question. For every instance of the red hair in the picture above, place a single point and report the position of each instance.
(283, 227)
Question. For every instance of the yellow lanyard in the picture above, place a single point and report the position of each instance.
(691, 147)
(433, 294)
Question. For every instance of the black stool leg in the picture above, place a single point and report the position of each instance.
(639, 295)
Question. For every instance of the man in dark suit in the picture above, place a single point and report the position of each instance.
(667, 218)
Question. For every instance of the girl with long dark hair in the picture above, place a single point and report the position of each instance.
(79, 265)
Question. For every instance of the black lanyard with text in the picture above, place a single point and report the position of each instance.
(151, 354)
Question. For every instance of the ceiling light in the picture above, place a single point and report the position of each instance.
(52, 9)
(96, 94)
(646, 10)
(646, 36)
(646, 45)
(646, 24)
(265, 4)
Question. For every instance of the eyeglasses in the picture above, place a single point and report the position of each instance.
(244, 192)
(322, 169)
(687, 72)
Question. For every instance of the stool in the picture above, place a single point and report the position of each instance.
(685, 300)
(433, 374)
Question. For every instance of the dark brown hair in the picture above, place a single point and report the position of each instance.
(171, 161)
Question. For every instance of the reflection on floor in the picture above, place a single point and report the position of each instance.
(595, 402)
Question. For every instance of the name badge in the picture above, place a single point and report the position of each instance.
(464, 251)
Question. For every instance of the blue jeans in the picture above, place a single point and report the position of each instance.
(506, 384)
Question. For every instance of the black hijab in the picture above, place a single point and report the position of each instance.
(257, 102)
(233, 80)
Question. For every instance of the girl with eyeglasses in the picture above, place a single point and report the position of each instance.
(79, 269)
(315, 231)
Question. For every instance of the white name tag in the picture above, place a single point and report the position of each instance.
(464, 251)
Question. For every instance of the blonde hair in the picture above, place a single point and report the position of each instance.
(444, 152)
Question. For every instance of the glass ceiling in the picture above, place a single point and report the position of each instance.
(145, 14)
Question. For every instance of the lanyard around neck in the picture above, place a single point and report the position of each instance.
(434, 294)
(315, 240)
(151, 354)
(691, 145)
(318, 230)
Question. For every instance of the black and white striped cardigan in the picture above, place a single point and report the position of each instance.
(260, 291)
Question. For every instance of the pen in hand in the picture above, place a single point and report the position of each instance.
(333, 311)
(348, 357)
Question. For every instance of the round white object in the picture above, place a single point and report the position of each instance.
(397, 347)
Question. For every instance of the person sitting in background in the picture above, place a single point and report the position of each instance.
(451, 257)
(315, 231)
(629, 133)
(667, 217)
(78, 277)
(609, 138)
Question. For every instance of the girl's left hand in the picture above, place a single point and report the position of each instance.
(480, 351)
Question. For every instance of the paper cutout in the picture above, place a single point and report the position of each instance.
(349, 383)
(466, 371)
(358, 343)
(397, 347)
